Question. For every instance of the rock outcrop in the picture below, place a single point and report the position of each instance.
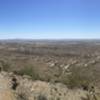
(6, 93)
(13, 87)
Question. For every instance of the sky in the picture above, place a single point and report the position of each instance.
(49, 19)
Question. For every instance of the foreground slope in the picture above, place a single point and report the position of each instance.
(5, 92)
(13, 87)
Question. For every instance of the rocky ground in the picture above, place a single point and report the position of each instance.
(13, 87)
(57, 70)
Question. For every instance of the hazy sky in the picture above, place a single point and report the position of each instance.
(49, 19)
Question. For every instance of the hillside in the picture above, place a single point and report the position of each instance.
(57, 70)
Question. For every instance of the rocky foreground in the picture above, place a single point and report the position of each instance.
(13, 87)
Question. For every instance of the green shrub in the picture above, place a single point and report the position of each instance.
(41, 97)
(78, 78)
(30, 72)
(5, 65)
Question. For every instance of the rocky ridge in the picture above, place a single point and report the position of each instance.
(14, 87)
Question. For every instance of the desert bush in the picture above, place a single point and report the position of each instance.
(5, 65)
(42, 97)
(29, 71)
(22, 97)
(78, 78)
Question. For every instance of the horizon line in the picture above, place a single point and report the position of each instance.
(49, 38)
